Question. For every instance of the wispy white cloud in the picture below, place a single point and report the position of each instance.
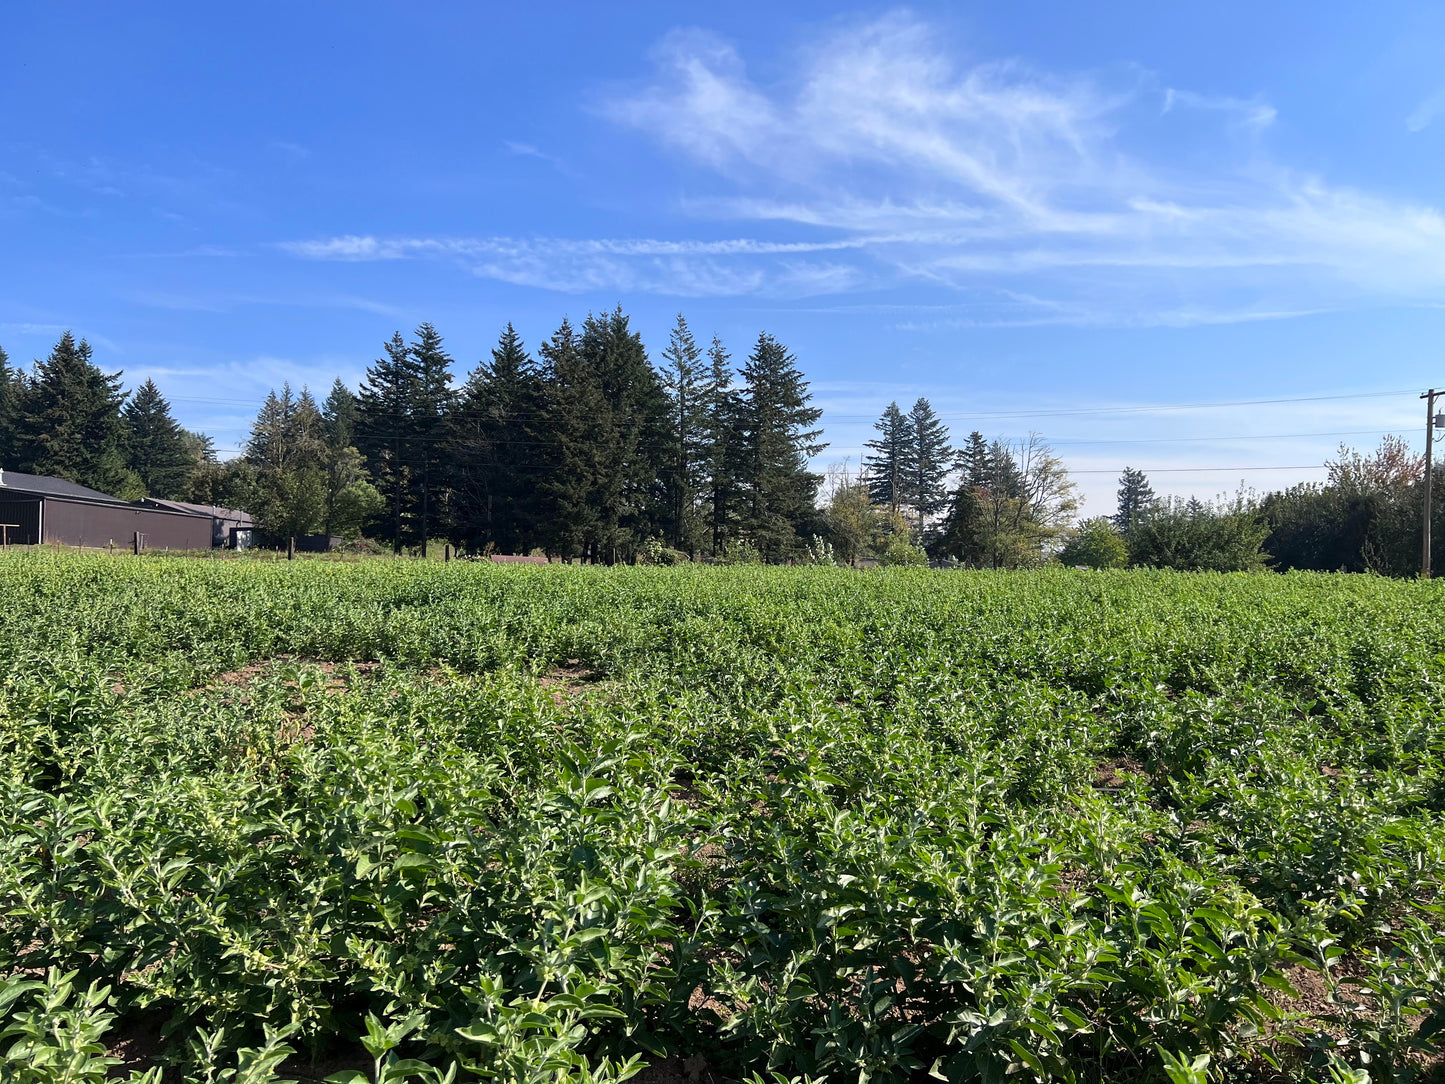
(527, 150)
(222, 301)
(729, 267)
(1423, 114)
(955, 173)
(881, 161)
(1252, 113)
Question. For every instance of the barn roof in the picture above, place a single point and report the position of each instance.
(232, 515)
(51, 487)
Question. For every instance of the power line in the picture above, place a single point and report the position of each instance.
(1197, 470)
(1243, 436)
(1155, 408)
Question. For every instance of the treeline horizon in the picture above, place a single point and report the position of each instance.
(587, 450)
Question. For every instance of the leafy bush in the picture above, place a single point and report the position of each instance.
(1196, 536)
(900, 552)
(1095, 544)
(655, 552)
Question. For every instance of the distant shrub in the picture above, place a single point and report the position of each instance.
(1096, 544)
(739, 552)
(900, 552)
(819, 552)
(361, 547)
(1198, 536)
(655, 552)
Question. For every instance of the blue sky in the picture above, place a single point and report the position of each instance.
(1085, 220)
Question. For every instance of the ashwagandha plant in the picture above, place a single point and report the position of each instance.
(445, 822)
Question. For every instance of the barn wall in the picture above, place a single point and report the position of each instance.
(75, 523)
(24, 514)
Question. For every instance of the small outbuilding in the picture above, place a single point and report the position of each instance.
(35, 509)
(230, 527)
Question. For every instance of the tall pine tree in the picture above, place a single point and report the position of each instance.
(779, 436)
(889, 463)
(431, 403)
(286, 454)
(494, 438)
(1135, 497)
(573, 441)
(973, 461)
(686, 383)
(339, 412)
(351, 500)
(384, 431)
(722, 441)
(156, 447)
(1003, 478)
(929, 462)
(12, 390)
(630, 505)
(69, 424)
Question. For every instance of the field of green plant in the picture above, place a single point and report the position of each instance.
(411, 821)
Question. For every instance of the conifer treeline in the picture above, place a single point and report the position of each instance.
(69, 419)
(585, 449)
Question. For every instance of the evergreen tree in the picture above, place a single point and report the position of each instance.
(988, 520)
(1135, 497)
(494, 441)
(286, 454)
(686, 384)
(890, 463)
(778, 438)
(156, 447)
(630, 506)
(573, 441)
(973, 461)
(383, 429)
(431, 403)
(340, 415)
(12, 391)
(929, 462)
(1003, 478)
(962, 535)
(722, 440)
(69, 425)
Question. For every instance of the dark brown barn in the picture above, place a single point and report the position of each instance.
(230, 527)
(37, 509)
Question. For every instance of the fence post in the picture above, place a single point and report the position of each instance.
(135, 544)
(291, 548)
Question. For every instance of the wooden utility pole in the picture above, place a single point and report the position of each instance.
(135, 544)
(291, 548)
(1430, 422)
